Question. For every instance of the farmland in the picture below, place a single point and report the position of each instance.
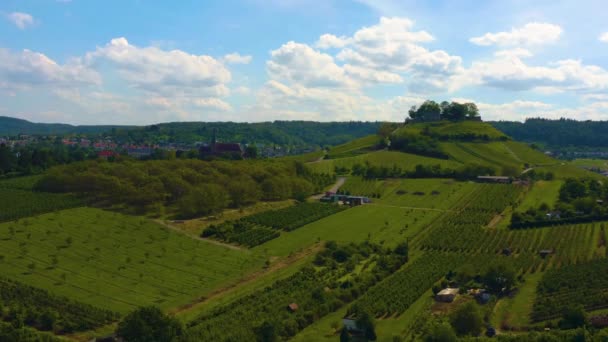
(383, 224)
(415, 193)
(293, 266)
(493, 154)
(541, 192)
(114, 261)
(405, 161)
(453, 130)
(354, 147)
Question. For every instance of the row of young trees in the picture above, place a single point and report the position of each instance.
(16, 204)
(188, 188)
(23, 305)
(465, 172)
(584, 284)
(256, 229)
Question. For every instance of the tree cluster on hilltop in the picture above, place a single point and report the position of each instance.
(452, 111)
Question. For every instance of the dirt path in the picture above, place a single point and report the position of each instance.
(334, 188)
(196, 237)
(527, 170)
(512, 153)
(280, 264)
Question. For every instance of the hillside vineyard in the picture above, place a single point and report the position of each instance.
(439, 229)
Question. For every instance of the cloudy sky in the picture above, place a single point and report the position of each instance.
(146, 61)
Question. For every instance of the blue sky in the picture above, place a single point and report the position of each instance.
(144, 61)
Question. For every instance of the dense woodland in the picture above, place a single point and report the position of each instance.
(13, 126)
(561, 133)
(36, 158)
(188, 188)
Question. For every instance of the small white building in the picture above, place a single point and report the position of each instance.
(350, 324)
(447, 295)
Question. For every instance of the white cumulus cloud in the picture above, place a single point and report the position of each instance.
(328, 41)
(21, 20)
(28, 69)
(604, 37)
(236, 58)
(508, 71)
(301, 64)
(528, 35)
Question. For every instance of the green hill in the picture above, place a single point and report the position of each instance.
(354, 147)
(13, 126)
(462, 131)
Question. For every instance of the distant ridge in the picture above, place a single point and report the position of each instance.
(13, 126)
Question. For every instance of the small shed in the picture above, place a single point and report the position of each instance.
(350, 324)
(293, 307)
(545, 252)
(447, 295)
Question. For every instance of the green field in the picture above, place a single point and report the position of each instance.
(601, 164)
(354, 147)
(541, 192)
(565, 170)
(528, 155)
(494, 154)
(405, 161)
(114, 261)
(415, 193)
(16, 203)
(448, 130)
(381, 223)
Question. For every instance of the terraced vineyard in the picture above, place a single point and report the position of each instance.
(49, 312)
(404, 161)
(16, 204)
(256, 229)
(583, 284)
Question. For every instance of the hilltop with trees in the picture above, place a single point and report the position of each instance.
(453, 111)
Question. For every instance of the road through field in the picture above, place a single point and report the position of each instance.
(339, 182)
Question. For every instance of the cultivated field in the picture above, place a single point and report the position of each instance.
(114, 261)
(405, 161)
(541, 192)
(380, 223)
(415, 193)
(354, 147)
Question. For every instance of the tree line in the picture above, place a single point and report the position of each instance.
(562, 133)
(184, 188)
(580, 201)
